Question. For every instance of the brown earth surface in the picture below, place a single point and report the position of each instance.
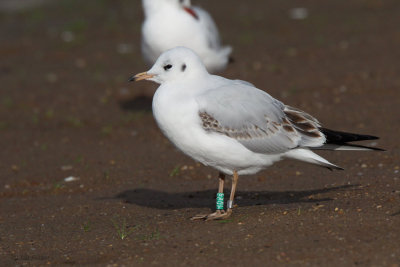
(67, 110)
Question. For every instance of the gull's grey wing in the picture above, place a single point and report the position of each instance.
(257, 120)
(244, 82)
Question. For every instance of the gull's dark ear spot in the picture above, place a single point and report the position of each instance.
(183, 68)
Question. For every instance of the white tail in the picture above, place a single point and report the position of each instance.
(310, 157)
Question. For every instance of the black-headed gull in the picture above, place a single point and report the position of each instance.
(171, 23)
(231, 125)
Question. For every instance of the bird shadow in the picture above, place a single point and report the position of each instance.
(396, 213)
(138, 103)
(201, 199)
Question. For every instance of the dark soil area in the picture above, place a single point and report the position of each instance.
(67, 110)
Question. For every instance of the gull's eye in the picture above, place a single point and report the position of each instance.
(167, 67)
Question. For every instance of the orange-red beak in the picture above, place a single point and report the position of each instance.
(141, 76)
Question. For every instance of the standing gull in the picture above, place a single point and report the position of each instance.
(231, 125)
(171, 23)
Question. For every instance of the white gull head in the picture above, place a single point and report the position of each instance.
(177, 64)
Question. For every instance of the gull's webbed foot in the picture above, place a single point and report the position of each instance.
(218, 215)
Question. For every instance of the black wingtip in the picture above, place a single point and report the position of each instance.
(131, 79)
(231, 60)
(337, 137)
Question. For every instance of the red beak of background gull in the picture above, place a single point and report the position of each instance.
(141, 76)
(191, 12)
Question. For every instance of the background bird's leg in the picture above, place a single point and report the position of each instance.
(221, 177)
(235, 179)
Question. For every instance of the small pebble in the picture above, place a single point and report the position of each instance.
(80, 63)
(124, 48)
(67, 36)
(344, 45)
(298, 13)
(14, 168)
(71, 179)
(51, 77)
(66, 168)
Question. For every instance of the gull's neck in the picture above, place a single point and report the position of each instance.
(189, 80)
(189, 85)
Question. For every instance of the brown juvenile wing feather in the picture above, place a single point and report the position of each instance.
(248, 135)
(246, 132)
(307, 125)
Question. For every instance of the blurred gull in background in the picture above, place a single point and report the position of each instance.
(171, 23)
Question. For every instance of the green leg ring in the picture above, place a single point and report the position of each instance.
(220, 201)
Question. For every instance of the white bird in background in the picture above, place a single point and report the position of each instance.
(171, 23)
(231, 125)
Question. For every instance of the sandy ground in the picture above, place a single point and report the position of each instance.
(67, 110)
